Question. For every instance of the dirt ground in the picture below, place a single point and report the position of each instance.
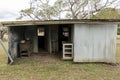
(40, 58)
(51, 67)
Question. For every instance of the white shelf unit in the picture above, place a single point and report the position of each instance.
(67, 51)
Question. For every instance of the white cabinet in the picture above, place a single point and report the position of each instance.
(67, 51)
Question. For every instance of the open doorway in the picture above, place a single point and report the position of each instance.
(64, 35)
(42, 39)
(50, 39)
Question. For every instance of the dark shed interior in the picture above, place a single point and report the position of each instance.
(43, 38)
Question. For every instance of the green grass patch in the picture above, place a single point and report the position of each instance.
(3, 56)
(118, 53)
(38, 69)
(89, 67)
(49, 68)
(25, 61)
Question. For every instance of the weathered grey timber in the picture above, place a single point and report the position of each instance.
(93, 40)
(95, 43)
(31, 33)
(15, 35)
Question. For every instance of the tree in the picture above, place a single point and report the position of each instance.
(81, 9)
(107, 13)
(70, 9)
(39, 10)
(75, 9)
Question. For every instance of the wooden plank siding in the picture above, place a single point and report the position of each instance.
(93, 40)
(94, 43)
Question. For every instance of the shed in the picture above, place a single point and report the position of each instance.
(93, 40)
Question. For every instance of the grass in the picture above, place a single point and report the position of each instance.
(3, 57)
(118, 53)
(39, 68)
(118, 49)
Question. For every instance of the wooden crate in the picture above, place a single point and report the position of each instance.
(25, 48)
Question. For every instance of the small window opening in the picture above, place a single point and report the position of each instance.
(65, 32)
(41, 31)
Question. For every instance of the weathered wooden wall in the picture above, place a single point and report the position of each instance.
(31, 33)
(18, 33)
(15, 35)
(95, 43)
(92, 43)
(54, 38)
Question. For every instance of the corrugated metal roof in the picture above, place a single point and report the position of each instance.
(51, 22)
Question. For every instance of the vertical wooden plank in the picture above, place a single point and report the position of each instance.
(54, 38)
(111, 33)
(95, 43)
(50, 44)
(14, 36)
(98, 45)
(35, 40)
(81, 43)
(31, 33)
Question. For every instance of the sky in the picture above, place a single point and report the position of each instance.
(9, 9)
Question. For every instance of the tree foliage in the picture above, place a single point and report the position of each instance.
(107, 13)
(39, 9)
(81, 9)
(70, 9)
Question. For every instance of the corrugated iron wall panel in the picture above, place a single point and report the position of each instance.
(94, 43)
